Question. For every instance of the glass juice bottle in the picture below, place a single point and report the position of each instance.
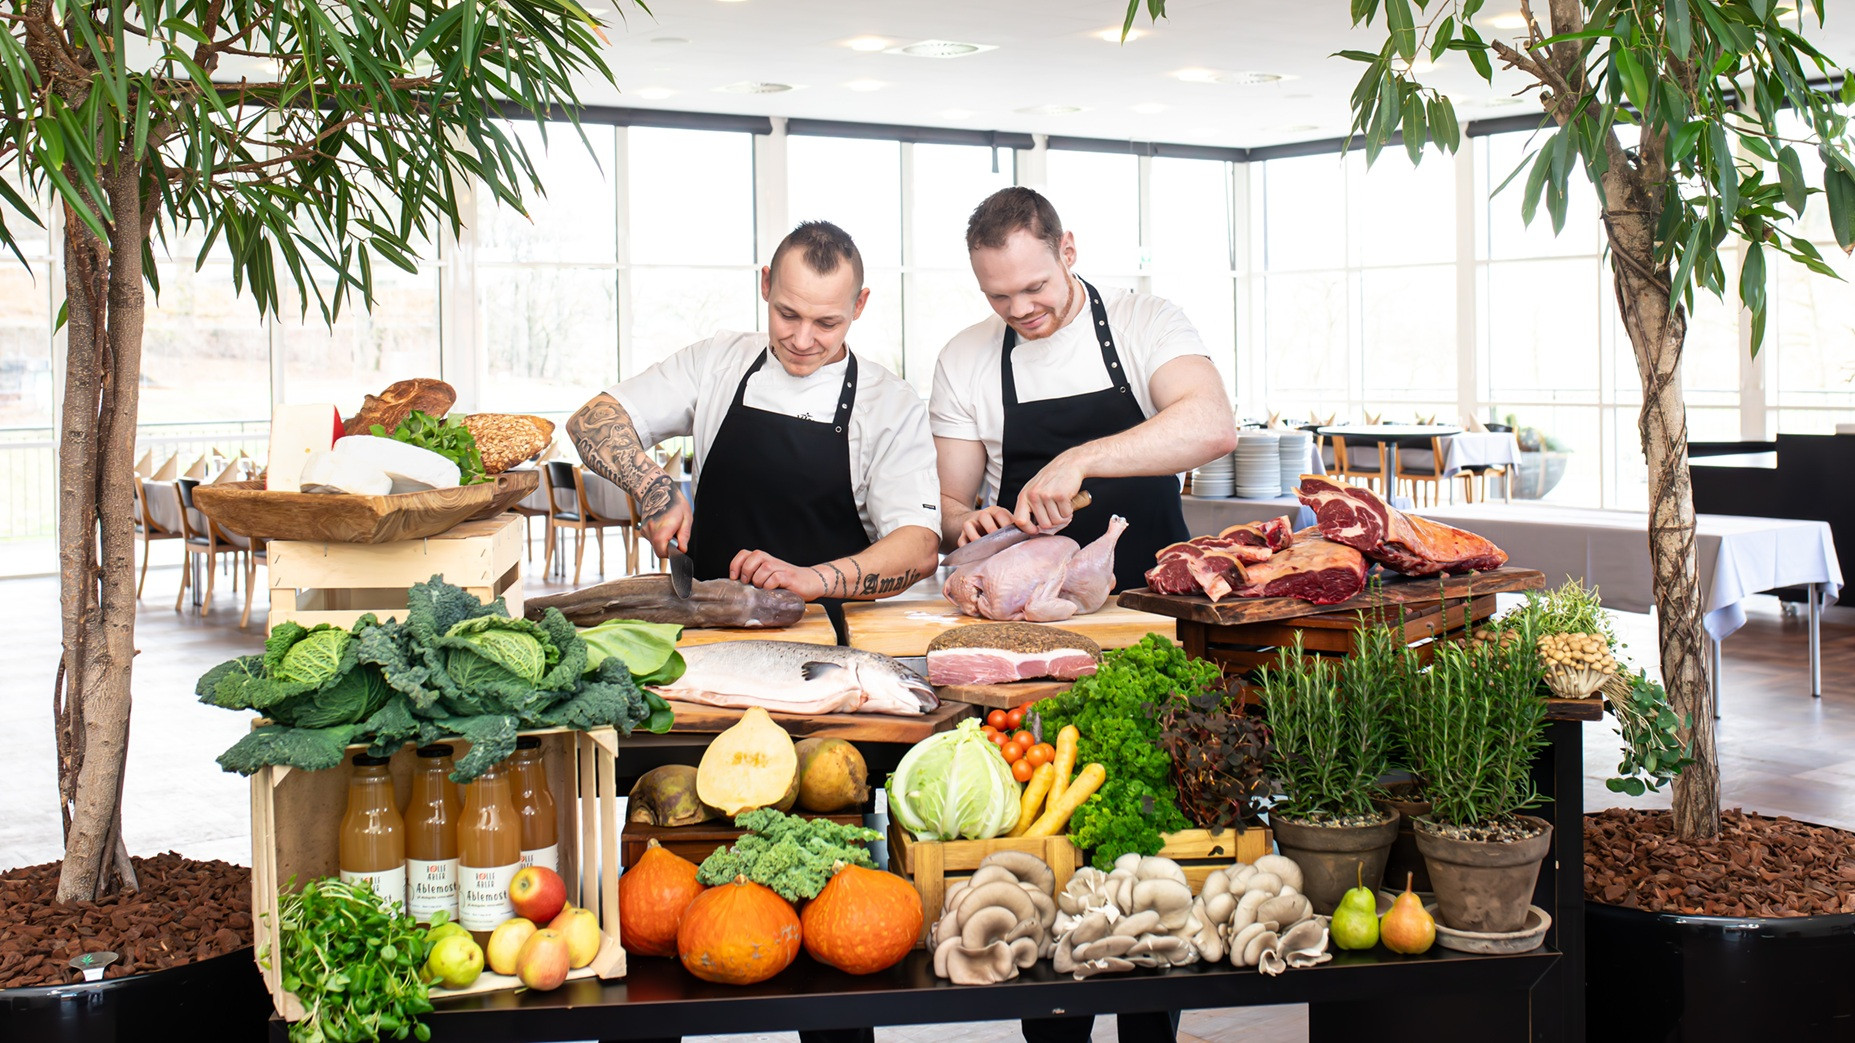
(540, 826)
(373, 836)
(489, 851)
(431, 837)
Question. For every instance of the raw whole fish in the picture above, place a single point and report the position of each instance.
(791, 677)
(711, 603)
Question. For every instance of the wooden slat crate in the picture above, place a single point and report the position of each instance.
(696, 842)
(339, 582)
(296, 818)
(934, 864)
(1202, 851)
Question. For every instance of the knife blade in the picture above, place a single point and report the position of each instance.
(993, 542)
(682, 572)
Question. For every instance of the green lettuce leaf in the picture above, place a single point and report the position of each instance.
(648, 649)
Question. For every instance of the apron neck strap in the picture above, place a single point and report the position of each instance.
(847, 395)
(1110, 359)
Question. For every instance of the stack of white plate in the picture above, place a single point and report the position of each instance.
(1215, 478)
(1295, 448)
(1259, 465)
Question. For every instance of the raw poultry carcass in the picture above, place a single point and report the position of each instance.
(1044, 579)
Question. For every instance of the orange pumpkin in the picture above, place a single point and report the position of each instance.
(651, 898)
(863, 921)
(738, 934)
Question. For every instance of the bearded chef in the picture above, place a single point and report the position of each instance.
(1068, 388)
(814, 467)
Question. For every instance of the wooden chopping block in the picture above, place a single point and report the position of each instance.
(903, 627)
(1002, 696)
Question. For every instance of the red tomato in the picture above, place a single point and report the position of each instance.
(999, 739)
(1040, 754)
(1024, 738)
(1014, 718)
(998, 719)
(1013, 752)
(1022, 771)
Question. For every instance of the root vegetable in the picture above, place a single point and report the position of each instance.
(1034, 793)
(751, 765)
(1056, 816)
(666, 796)
(832, 776)
(1067, 742)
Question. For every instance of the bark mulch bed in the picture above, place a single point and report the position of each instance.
(186, 911)
(1757, 866)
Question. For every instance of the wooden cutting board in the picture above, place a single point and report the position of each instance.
(1002, 696)
(857, 727)
(900, 627)
(1398, 590)
(813, 629)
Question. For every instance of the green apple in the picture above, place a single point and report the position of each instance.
(455, 961)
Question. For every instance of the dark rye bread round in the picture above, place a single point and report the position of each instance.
(1013, 637)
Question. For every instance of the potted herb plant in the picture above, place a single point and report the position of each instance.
(1332, 726)
(1473, 724)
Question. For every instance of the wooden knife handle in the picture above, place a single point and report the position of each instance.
(1080, 500)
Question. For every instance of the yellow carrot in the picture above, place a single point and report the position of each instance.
(1056, 813)
(1067, 741)
(1032, 800)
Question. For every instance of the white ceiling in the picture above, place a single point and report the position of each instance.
(1047, 53)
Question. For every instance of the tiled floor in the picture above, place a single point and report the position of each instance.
(1781, 751)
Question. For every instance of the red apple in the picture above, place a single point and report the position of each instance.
(542, 963)
(581, 929)
(539, 894)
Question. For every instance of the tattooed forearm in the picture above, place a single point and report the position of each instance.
(888, 566)
(876, 585)
(608, 443)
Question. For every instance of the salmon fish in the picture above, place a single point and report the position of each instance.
(792, 677)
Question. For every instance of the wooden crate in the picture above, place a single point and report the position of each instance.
(696, 842)
(339, 582)
(1200, 852)
(934, 864)
(296, 816)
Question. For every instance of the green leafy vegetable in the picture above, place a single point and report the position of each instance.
(794, 856)
(353, 964)
(511, 644)
(1118, 710)
(648, 649)
(448, 438)
(954, 786)
(314, 658)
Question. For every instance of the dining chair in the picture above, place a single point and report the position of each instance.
(202, 538)
(1352, 461)
(255, 552)
(150, 529)
(1424, 467)
(569, 508)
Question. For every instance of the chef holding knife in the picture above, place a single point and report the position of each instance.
(1068, 389)
(814, 468)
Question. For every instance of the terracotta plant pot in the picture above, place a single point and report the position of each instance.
(1330, 857)
(1405, 858)
(1484, 885)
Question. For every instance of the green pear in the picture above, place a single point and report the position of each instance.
(1355, 921)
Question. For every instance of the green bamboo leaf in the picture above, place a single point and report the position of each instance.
(1443, 125)
(1478, 53)
(1536, 182)
(1752, 277)
(1635, 81)
(1413, 127)
(1722, 171)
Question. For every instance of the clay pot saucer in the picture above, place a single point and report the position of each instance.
(1498, 943)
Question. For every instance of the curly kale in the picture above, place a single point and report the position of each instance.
(794, 856)
(1118, 710)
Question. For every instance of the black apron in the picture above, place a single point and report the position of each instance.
(1035, 432)
(780, 484)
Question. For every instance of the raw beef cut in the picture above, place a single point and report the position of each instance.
(1361, 519)
(1045, 579)
(1000, 653)
(1275, 534)
(1214, 565)
(1312, 569)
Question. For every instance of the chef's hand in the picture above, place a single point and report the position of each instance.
(674, 521)
(1044, 501)
(984, 521)
(763, 570)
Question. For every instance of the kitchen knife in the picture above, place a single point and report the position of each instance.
(993, 542)
(682, 572)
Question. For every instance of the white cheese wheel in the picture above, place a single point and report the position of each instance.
(296, 432)
(410, 467)
(329, 472)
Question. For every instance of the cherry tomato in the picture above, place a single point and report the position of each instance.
(999, 739)
(1015, 717)
(1013, 752)
(999, 719)
(1040, 754)
(1028, 707)
(987, 730)
(1024, 738)
(1022, 771)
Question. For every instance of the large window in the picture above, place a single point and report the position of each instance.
(856, 184)
(1193, 263)
(1098, 197)
(941, 296)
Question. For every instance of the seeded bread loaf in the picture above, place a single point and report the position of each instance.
(507, 439)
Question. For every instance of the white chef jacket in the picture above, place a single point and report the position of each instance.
(892, 468)
(968, 400)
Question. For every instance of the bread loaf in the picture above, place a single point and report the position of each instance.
(507, 439)
(391, 407)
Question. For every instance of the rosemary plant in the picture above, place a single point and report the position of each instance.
(1473, 724)
(1332, 727)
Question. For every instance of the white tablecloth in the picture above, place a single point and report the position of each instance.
(1479, 449)
(1738, 557)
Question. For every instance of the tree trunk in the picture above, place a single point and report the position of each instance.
(96, 533)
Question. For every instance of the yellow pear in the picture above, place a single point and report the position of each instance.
(1407, 927)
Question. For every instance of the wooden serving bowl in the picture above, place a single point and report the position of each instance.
(248, 509)
(512, 487)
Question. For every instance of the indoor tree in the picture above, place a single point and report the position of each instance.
(312, 139)
(1670, 109)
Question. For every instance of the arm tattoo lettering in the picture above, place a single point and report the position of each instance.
(877, 585)
(608, 443)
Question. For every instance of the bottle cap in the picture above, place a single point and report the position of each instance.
(527, 742)
(363, 760)
(437, 749)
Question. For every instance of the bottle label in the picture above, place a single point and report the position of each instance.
(431, 885)
(389, 884)
(483, 901)
(546, 857)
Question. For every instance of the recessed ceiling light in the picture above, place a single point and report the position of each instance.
(1051, 110)
(652, 93)
(1294, 128)
(1149, 108)
(1239, 79)
(1112, 34)
(866, 85)
(956, 114)
(753, 86)
(672, 40)
(1509, 20)
(941, 49)
(868, 44)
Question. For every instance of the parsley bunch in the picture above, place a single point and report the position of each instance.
(1119, 710)
(448, 437)
(353, 963)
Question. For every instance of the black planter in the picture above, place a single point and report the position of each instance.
(221, 999)
(1669, 978)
